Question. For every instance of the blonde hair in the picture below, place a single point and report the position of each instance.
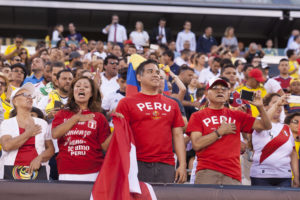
(228, 28)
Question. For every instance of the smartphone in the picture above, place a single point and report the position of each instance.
(247, 95)
(293, 99)
(58, 105)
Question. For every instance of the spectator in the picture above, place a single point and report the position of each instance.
(294, 90)
(14, 49)
(139, 37)
(295, 44)
(74, 37)
(294, 33)
(82, 133)
(192, 87)
(155, 152)
(37, 67)
(253, 83)
(57, 34)
(270, 84)
(273, 164)
(212, 71)
(199, 64)
(5, 103)
(256, 62)
(18, 74)
(116, 32)
(116, 50)
(269, 50)
(215, 135)
(294, 66)
(235, 53)
(184, 57)
(186, 35)
(206, 41)
(15, 60)
(254, 50)
(73, 58)
(168, 59)
(229, 40)
(97, 51)
(25, 143)
(161, 34)
(292, 121)
(239, 70)
(283, 78)
(109, 76)
(46, 75)
(172, 47)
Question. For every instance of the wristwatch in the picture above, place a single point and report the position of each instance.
(218, 134)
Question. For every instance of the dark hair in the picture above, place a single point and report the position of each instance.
(227, 66)
(296, 37)
(283, 60)
(140, 69)
(57, 64)
(246, 67)
(162, 19)
(60, 41)
(62, 71)
(185, 51)
(236, 63)
(225, 62)
(169, 53)
(200, 92)
(164, 47)
(77, 64)
(94, 101)
(290, 52)
(49, 63)
(184, 68)
(110, 57)
(268, 98)
(19, 36)
(122, 73)
(36, 110)
(289, 118)
(217, 59)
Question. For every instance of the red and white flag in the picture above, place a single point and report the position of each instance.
(118, 176)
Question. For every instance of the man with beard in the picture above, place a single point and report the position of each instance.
(46, 75)
(37, 68)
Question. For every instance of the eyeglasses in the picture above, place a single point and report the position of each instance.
(294, 121)
(112, 63)
(2, 84)
(25, 95)
(18, 60)
(23, 53)
(216, 88)
(18, 71)
(19, 42)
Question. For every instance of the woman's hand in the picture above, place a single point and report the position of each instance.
(35, 164)
(33, 130)
(84, 118)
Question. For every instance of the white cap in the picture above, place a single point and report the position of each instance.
(213, 81)
(27, 86)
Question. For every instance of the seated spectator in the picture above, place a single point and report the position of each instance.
(26, 143)
(239, 65)
(172, 47)
(211, 72)
(254, 50)
(25, 59)
(37, 68)
(16, 59)
(270, 84)
(284, 78)
(5, 107)
(139, 37)
(184, 57)
(294, 90)
(97, 51)
(294, 65)
(82, 133)
(18, 75)
(199, 64)
(47, 77)
(14, 49)
(116, 50)
(256, 62)
(269, 50)
(206, 41)
(292, 121)
(168, 59)
(275, 158)
(229, 40)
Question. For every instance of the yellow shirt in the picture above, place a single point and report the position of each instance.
(294, 65)
(53, 96)
(12, 48)
(254, 110)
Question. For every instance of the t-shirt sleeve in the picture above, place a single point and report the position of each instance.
(105, 130)
(194, 125)
(123, 109)
(178, 121)
(48, 135)
(246, 120)
(58, 118)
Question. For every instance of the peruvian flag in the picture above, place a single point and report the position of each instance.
(118, 176)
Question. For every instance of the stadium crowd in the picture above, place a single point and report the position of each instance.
(207, 111)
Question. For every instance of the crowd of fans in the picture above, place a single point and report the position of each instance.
(57, 106)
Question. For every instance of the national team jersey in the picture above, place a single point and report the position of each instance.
(284, 82)
(152, 118)
(277, 164)
(224, 154)
(80, 148)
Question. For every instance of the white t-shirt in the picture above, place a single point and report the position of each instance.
(179, 61)
(139, 38)
(88, 56)
(185, 36)
(206, 74)
(272, 86)
(108, 86)
(277, 165)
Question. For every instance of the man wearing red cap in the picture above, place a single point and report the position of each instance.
(215, 135)
(253, 83)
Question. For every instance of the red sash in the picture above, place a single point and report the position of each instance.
(275, 143)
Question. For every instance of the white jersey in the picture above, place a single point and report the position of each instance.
(272, 86)
(276, 165)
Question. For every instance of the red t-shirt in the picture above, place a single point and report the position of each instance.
(80, 148)
(284, 82)
(224, 154)
(27, 152)
(152, 118)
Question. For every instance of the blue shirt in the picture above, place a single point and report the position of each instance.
(32, 79)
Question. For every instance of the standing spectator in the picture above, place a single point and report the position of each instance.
(274, 157)
(14, 49)
(110, 75)
(186, 35)
(294, 65)
(215, 135)
(184, 57)
(283, 78)
(206, 41)
(295, 44)
(116, 32)
(269, 50)
(154, 145)
(37, 68)
(25, 143)
(229, 40)
(254, 50)
(212, 71)
(161, 34)
(294, 33)
(139, 37)
(74, 37)
(82, 133)
(57, 34)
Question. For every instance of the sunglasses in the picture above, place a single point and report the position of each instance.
(23, 53)
(19, 42)
(2, 84)
(18, 60)
(25, 95)
(18, 71)
(112, 63)
(294, 121)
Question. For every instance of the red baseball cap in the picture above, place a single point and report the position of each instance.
(257, 75)
(214, 81)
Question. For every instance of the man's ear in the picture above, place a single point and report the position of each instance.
(138, 77)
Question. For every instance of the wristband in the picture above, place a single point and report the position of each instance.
(218, 134)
